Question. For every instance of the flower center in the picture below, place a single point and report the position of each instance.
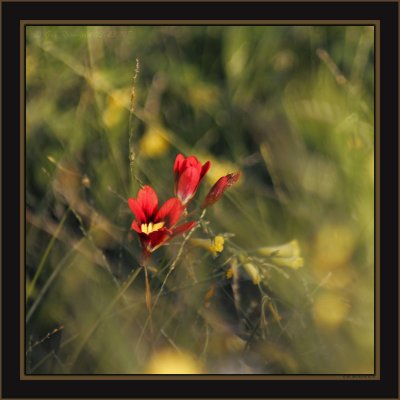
(150, 227)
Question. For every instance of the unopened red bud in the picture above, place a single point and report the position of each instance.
(219, 188)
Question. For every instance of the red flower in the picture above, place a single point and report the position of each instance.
(219, 188)
(156, 226)
(188, 174)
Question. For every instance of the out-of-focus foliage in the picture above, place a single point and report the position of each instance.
(292, 108)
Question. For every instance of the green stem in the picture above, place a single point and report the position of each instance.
(171, 269)
(32, 284)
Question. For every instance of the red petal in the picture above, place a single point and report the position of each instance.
(137, 210)
(204, 169)
(145, 242)
(192, 161)
(170, 212)
(188, 183)
(157, 239)
(178, 163)
(183, 228)
(135, 226)
(148, 201)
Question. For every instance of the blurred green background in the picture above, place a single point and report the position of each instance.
(291, 107)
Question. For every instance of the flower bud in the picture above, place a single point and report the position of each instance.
(188, 173)
(219, 188)
(253, 272)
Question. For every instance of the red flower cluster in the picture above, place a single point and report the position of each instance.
(157, 226)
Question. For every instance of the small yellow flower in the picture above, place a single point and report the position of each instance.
(213, 246)
(115, 111)
(168, 361)
(330, 309)
(218, 245)
(286, 255)
(154, 143)
(291, 249)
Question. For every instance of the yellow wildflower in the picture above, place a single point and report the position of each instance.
(213, 246)
(330, 309)
(169, 361)
(115, 111)
(291, 249)
(286, 255)
(154, 143)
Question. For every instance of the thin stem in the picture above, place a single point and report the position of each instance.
(48, 336)
(173, 265)
(52, 277)
(171, 269)
(132, 154)
(148, 296)
(32, 284)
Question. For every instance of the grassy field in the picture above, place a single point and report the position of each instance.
(278, 276)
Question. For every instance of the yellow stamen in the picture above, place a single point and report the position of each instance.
(217, 246)
(150, 227)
